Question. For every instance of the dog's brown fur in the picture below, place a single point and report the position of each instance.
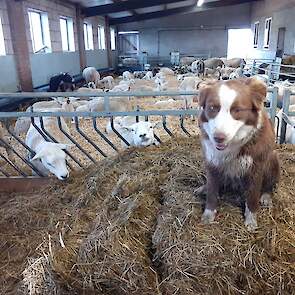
(263, 174)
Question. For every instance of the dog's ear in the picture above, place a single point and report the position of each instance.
(258, 91)
(204, 91)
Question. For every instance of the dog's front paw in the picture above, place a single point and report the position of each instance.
(200, 190)
(266, 200)
(208, 216)
(250, 220)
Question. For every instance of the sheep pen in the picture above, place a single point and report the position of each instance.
(131, 225)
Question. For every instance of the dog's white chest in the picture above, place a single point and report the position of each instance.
(228, 161)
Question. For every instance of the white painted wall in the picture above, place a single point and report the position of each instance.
(48, 64)
(282, 13)
(9, 78)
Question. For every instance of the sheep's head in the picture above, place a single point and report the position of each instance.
(143, 133)
(53, 158)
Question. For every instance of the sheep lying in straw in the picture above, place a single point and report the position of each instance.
(137, 134)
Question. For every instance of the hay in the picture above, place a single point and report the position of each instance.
(131, 225)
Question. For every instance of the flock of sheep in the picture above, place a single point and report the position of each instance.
(50, 157)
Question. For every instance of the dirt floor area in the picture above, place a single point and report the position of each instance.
(130, 224)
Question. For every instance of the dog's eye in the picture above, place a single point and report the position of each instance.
(151, 127)
(237, 110)
(213, 109)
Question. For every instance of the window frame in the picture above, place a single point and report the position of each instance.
(46, 40)
(267, 31)
(2, 48)
(101, 37)
(256, 34)
(86, 36)
(69, 26)
(113, 40)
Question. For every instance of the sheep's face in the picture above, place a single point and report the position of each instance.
(53, 158)
(142, 133)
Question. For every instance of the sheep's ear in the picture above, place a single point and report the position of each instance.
(157, 125)
(64, 146)
(127, 128)
(38, 155)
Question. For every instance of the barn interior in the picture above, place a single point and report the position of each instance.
(102, 154)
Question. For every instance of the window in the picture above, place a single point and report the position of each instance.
(2, 43)
(39, 28)
(256, 34)
(113, 39)
(67, 34)
(267, 32)
(88, 36)
(101, 38)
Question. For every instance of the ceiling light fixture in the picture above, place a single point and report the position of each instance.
(200, 3)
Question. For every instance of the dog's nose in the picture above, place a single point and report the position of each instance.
(142, 135)
(219, 137)
(225, 78)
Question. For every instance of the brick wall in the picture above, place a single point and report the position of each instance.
(54, 9)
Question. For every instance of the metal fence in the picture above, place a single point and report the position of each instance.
(274, 71)
(90, 141)
(287, 115)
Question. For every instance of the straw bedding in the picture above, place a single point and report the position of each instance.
(131, 225)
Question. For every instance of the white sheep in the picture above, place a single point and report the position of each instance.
(127, 76)
(108, 82)
(165, 103)
(90, 74)
(50, 157)
(189, 84)
(116, 104)
(148, 76)
(167, 71)
(22, 124)
(137, 134)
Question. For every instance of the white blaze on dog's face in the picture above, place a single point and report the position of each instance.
(142, 133)
(53, 158)
(231, 111)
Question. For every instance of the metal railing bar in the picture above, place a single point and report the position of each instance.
(23, 159)
(90, 94)
(14, 166)
(102, 135)
(4, 172)
(74, 141)
(165, 126)
(181, 119)
(100, 114)
(32, 153)
(87, 138)
(118, 133)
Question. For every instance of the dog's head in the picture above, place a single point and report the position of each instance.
(231, 111)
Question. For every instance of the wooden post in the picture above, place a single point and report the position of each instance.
(108, 41)
(20, 44)
(80, 35)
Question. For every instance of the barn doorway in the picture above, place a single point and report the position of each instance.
(128, 43)
(281, 42)
(239, 43)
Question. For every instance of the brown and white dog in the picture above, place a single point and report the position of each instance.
(238, 144)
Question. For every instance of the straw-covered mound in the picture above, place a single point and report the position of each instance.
(131, 225)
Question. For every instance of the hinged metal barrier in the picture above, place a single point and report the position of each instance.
(88, 137)
(286, 115)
